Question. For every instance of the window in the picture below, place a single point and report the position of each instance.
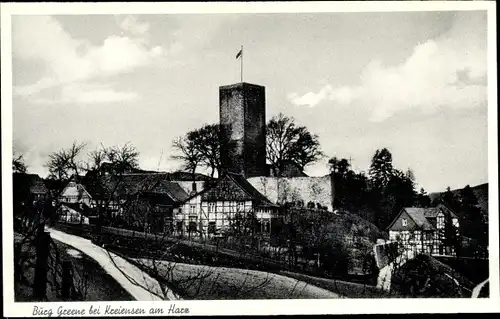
(418, 235)
(404, 222)
(241, 206)
(211, 207)
(192, 209)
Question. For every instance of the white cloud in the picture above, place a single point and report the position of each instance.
(89, 94)
(432, 77)
(69, 60)
(132, 25)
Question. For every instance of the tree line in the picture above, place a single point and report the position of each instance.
(377, 196)
(286, 142)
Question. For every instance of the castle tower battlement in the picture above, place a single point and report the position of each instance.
(243, 128)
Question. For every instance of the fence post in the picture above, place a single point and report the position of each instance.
(42, 254)
(67, 279)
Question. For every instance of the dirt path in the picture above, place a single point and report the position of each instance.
(138, 284)
(477, 289)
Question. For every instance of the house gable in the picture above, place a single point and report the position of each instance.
(397, 224)
(226, 189)
(73, 190)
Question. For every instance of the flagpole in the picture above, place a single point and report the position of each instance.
(241, 73)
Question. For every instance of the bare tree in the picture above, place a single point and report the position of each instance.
(287, 142)
(65, 162)
(208, 141)
(105, 169)
(201, 148)
(188, 153)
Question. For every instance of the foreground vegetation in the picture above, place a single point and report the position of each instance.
(207, 283)
(424, 276)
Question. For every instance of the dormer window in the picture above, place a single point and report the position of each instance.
(404, 222)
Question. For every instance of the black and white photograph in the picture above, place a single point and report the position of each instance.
(269, 155)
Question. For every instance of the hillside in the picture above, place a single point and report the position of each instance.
(481, 192)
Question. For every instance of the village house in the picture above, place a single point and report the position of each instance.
(228, 203)
(28, 188)
(423, 230)
(151, 206)
(140, 200)
(74, 213)
(75, 192)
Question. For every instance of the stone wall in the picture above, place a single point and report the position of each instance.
(280, 190)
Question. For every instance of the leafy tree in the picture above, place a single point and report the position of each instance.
(450, 200)
(422, 199)
(288, 142)
(381, 169)
(351, 188)
(451, 235)
(473, 224)
(400, 191)
(339, 167)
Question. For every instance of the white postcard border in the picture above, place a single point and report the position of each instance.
(255, 307)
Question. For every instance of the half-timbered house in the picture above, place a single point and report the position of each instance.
(423, 230)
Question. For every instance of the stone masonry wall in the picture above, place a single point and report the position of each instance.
(289, 189)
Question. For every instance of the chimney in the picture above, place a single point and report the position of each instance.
(193, 187)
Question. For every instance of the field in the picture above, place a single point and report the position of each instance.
(344, 288)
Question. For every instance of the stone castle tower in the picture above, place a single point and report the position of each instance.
(243, 128)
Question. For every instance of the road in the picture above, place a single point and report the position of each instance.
(477, 289)
(137, 283)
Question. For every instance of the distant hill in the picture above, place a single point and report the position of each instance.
(481, 192)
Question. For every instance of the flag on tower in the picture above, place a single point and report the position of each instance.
(240, 53)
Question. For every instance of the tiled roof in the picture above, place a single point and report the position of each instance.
(234, 187)
(175, 191)
(418, 216)
(133, 183)
(424, 217)
(32, 181)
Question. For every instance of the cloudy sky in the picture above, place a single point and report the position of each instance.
(414, 82)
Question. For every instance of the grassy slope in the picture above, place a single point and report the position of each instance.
(344, 288)
(209, 283)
